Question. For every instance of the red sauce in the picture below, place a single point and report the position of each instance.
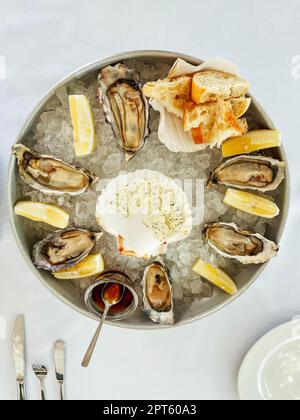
(112, 293)
(113, 288)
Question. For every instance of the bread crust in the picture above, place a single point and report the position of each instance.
(209, 85)
(173, 94)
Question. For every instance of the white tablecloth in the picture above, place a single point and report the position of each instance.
(42, 41)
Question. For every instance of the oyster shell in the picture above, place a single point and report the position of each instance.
(250, 172)
(228, 240)
(64, 249)
(50, 175)
(157, 293)
(125, 106)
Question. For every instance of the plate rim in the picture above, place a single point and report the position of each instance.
(277, 336)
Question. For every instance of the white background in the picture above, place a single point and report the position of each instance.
(42, 41)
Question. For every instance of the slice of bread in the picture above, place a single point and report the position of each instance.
(217, 135)
(210, 103)
(240, 106)
(172, 94)
(194, 115)
(217, 122)
(226, 124)
(210, 85)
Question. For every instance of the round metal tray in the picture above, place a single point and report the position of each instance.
(64, 290)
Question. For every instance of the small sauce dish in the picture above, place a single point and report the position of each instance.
(124, 309)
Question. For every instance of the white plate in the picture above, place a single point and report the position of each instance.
(271, 369)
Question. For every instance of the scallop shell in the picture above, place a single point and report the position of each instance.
(129, 220)
(269, 248)
(160, 317)
(87, 177)
(182, 68)
(171, 132)
(277, 166)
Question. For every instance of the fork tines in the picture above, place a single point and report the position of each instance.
(40, 370)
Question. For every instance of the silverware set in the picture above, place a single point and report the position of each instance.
(40, 371)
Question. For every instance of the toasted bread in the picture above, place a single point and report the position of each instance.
(240, 106)
(209, 85)
(172, 94)
(226, 124)
(216, 123)
(194, 115)
(216, 136)
(210, 103)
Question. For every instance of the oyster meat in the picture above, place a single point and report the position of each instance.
(125, 106)
(50, 175)
(157, 293)
(64, 249)
(228, 240)
(250, 172)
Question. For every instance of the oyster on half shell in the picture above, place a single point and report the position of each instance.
(249, 172)
(125, 106)
(50, 175)
(228, 240)
(64, 249)
(157, 293)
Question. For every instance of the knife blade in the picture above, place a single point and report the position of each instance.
(19, 355)
(59, 361)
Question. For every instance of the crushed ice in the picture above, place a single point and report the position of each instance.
(52, 135)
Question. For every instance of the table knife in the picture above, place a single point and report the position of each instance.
(19, 356)
(59, 360)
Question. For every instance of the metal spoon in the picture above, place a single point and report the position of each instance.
(109, 301)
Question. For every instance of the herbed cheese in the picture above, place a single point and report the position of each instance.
(156, 202)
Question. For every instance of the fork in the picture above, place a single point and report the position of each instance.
(41, 373)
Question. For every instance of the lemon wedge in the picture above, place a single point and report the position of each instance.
(83, 125)
(215, 276)
(40, 212)
(251, 142)
(251, 203)
(92, 265)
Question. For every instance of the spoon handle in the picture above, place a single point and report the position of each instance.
(87, 358)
